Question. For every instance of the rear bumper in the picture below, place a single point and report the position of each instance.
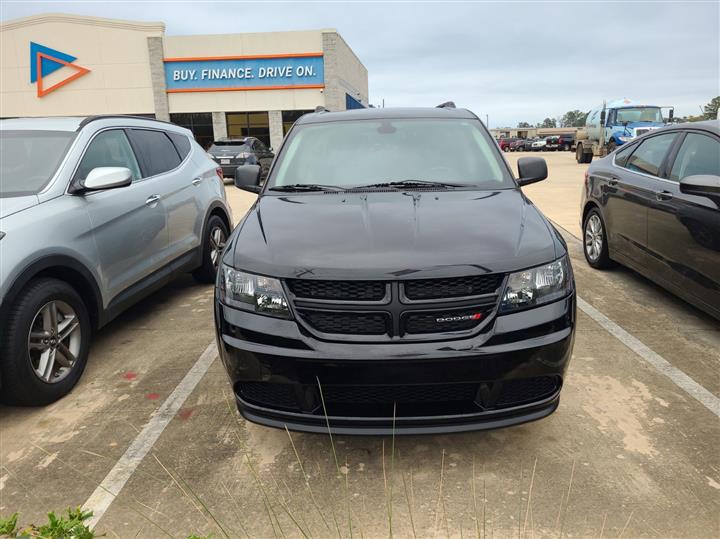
(509, 374)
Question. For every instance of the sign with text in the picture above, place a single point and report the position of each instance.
(217, 74)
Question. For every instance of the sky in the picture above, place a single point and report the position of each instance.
(512, 61)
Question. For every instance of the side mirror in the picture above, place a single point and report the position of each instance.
(247, 177)
(602, 118)
(672, 115)
(704, 185)
(101, 178)
(531, 170)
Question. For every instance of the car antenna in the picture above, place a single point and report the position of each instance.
(446, 105)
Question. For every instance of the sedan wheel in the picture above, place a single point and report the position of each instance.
(595, 241)
(54, 341)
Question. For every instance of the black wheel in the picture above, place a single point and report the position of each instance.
(565, 147)
(579, 155)
(611, 146)
(216, 234)
(506, 148)
(595, 245)
(45, 343)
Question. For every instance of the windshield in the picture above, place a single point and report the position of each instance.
(364, 152)
(639, 114)
(28, 159)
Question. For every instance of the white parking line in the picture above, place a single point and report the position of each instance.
(115, 480)
(678, 377)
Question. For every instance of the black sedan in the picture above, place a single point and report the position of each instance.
(230, 153)
(654, 206)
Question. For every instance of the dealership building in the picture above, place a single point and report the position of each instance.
(218, 85)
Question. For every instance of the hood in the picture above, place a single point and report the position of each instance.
(11, 205)
(393, 235)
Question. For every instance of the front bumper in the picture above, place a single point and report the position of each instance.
(510, 373)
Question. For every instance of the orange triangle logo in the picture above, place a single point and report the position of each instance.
(42, 91)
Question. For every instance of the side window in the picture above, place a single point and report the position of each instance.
(650, 154)
(155, 150)
(108, 149)
(181, 143)
(622, 155)
(699, 154)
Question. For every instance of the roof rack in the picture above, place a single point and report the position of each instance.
(320, 108)
(110, 116)
(446, 105)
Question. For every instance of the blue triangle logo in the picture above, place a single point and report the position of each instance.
(47, 66)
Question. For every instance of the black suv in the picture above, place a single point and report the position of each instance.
(230, 153)
(377, 287)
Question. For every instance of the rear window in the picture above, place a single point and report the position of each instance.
(227, 147)
(30, 159)
(181, 142)
(157, 153)
(362, 152)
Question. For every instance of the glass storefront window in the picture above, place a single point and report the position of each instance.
(200, 123)
(249, 124)
(289, 117)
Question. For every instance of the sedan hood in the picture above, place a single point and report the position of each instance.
(11, 205)
(393, 235)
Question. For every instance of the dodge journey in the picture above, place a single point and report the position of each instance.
(393, 277)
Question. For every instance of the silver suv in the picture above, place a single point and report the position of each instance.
(95, 213)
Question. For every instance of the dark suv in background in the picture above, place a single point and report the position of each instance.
(375, 287)
(231, 153)
(565, 142)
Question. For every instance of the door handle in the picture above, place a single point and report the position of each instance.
(663, 195)
(196, 181)
(152, 200)
(613, 180)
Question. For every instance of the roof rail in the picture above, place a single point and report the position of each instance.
(320, 108)
(446, 105)
(110, 116)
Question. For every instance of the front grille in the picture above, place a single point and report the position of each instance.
(452, 288)
(338, 290)
(399, 400)
(399, 394)
(440, 321)
(348, 323)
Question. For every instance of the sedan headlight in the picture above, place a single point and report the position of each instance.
(536, 286)
(256, 293)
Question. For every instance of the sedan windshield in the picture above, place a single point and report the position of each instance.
(639, 114)
(366, 152)
(30, 159)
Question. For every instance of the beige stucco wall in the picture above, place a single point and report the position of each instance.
(116, 52)
(268, 43)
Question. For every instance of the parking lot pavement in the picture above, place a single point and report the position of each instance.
(628, 453)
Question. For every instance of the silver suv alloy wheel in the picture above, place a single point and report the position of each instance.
(593, 237)
(54, 341)
(217, 244)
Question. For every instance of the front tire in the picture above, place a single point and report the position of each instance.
(611, 146)
(45, 343)
(595, 246)
(216, 234)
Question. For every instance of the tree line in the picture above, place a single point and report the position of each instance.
(576, 118)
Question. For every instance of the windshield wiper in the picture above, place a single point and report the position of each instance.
(306, 187)
(411, 183)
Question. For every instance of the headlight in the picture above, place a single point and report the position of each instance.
(256, 293)
(536, 286)
(625, 139)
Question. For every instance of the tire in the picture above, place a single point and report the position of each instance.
(595, 247)
(216, 234)
(579, 155)
(565, 148)
(32, 339)
(505, 148)
(611, 147)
